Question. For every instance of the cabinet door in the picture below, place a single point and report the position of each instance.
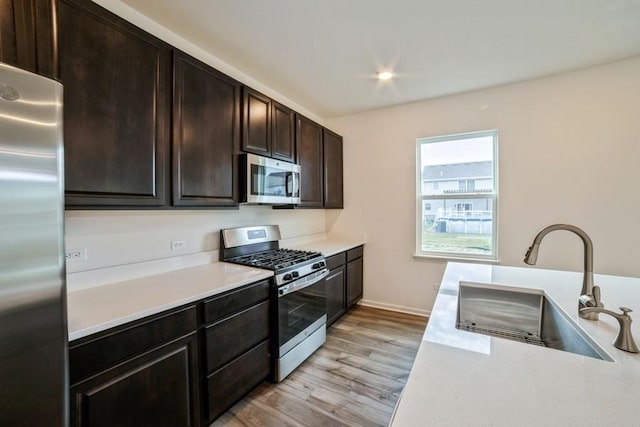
(116, 106)
(309, 155)
(333, 195)
(354, 281)
(159, 388)
(256, 122)
(27, 35)
(335, 285)
(283, 125)
(206, 130)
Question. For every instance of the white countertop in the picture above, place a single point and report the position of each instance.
(99, 308)
(466, 379)
(102, 307)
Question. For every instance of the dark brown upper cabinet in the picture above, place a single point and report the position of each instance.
(27, 35)
(206, 134)
(309, 157)
(268, 127)
(283, 128)
(117, 105)
(256, 122)
(333, 173)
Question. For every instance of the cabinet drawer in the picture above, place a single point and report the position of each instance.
(336, 260)
(227, 385)
(231, 337)
(92, 356)
(354, 253)
(224, 305)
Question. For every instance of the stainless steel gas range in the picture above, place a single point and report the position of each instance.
(298, 309)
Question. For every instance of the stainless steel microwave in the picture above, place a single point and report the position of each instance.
(269, 181)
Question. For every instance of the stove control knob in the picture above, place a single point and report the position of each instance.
(295, 274)
(318, 265)
(287, 276)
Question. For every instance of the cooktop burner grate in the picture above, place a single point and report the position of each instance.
(275, 259)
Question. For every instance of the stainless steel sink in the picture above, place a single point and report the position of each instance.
(524, 315)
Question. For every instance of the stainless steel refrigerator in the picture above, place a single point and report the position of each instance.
(33, 328)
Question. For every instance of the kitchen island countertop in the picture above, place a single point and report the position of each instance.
(466, 379)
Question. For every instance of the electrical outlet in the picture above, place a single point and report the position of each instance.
(178, 245)
(74, 255)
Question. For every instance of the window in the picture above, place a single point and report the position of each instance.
(462, 216)
(463, 207)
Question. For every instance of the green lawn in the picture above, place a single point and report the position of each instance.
(456, 242)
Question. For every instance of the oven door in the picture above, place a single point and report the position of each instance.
(301, 310)
(271, 181)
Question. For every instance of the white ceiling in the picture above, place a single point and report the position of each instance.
(323, 54)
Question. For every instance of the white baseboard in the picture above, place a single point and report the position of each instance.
(393, 307)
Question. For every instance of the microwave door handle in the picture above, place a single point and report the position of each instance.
(296, 184)
(290, 190)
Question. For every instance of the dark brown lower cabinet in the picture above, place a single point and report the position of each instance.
(335, 286)
(344, 282)
(155, 389)
(141, 374)
(354, 275)
(235, 346)
(182, 367)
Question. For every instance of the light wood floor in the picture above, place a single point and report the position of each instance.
(354, 379)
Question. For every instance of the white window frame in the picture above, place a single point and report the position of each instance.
(475, 195)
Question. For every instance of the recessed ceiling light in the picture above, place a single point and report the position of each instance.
(385, 75)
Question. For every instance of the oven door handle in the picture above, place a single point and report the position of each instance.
(293, 287)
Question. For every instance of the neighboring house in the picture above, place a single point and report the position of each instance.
(463, 214)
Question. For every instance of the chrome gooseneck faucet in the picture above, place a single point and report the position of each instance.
(589, 303)
(590, 294)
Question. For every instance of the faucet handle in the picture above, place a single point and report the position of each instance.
(625, 310)
(596, 296)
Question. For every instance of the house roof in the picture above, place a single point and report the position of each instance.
(458, 170)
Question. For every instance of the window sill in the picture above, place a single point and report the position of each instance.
(456, 258)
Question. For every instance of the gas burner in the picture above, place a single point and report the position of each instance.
(275, 259)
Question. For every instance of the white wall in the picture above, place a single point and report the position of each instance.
(569, 152)
(130, 240)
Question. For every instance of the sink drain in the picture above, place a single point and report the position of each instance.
(513, 335)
